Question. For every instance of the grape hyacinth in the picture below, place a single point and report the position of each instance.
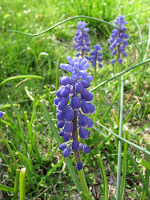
(82, 38)
(118, 39)
(96, 55)
(73, 104)
(1, 114)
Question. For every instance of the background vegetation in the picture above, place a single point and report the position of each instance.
(26, 136)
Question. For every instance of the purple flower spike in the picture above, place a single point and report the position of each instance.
(118, 39)
(1, 114)
(79, 166)
(96, 55)
(82, 38)
(72, 103)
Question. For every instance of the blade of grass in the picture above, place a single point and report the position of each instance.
(124, 169)
(103, 176)
(96, 150)
(6, 188)
(20, 127)
(120, 142)
(131, 113)
(85, 196)
(142, 128)
(16, 185)
(51, 171)
(124, 140)
(139, 173)
(148, 42)
(144, 163)
(22, 184)
(9, 149)
(147, 174)
(18, 77)
(57, 80)
(121, 73)
(112, 103)
(72, 18)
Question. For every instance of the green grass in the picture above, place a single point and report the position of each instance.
(27, 137)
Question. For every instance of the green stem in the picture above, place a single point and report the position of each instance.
(77, 154)
(72, 18)
(83, 183)
(22, 184)
(9, 149)
(124, 140)
(103, 177)
(16, 185)
(120, 142)
(121, 73)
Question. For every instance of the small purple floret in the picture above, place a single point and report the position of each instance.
(1, 114)
(79, 166)
(67, 152)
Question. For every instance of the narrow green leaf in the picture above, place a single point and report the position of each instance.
(119, 74)
(124, 140)
(120, 142)
(140, 175)
(51, 171)
(103, 176)
(6, 188)
(131, 113)
(86, 196)
(124, 169)
(18, 77)
(144, 163)
(22, 184)
(16, 185)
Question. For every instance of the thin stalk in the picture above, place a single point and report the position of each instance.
(72, 18)
(95, 83)
(22, 184)
(124, 169)
(128, 142)
(16, 185)
(147, 173)
(139, 173)
(103, 177)
(77, 154)
(20, 76)
(120, 142)
(51, 171)
(85, 196)
(6, 188)
(57, 80)
(121, 73)
(83, 183)
(9, 149)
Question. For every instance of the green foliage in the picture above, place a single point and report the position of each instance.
(28, 135)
